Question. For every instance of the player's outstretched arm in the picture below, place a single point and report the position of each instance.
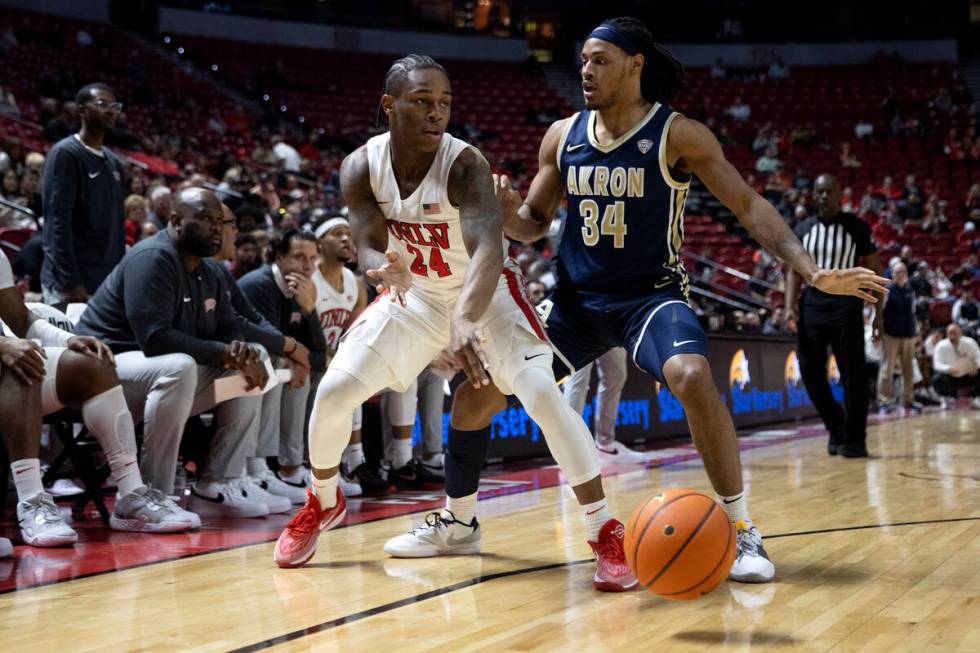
(530, 220)
(471, 189)
(693, 144)
(367, 223)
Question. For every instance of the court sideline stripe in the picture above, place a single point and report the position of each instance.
(418, 598)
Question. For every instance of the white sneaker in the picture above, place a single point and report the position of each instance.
(277, 504)
(752, 564)
(145, 510)
(41, 523)
(349, 485)
(228, 499)
(192, 517)
(617, 452)
(64, 487)
(975, 404)
(6, 547)
(440, 535)
(271, 483)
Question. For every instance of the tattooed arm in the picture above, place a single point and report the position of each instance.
(471, 189)
(692, 147)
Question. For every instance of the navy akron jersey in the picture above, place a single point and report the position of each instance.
(625, 220)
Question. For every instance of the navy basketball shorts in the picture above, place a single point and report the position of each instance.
(652, 327)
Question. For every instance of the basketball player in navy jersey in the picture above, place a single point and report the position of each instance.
(626, 165)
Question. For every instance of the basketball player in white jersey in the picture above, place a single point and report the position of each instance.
(340, 297)
(427, 200)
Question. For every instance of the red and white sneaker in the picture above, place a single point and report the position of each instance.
(297, 542)
(612, 574)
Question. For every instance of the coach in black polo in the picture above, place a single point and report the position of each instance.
(82, 195)
(835, 240)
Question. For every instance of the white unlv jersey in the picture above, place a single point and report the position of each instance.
(424, 227)
(334, 308)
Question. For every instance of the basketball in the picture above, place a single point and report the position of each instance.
(680, 544)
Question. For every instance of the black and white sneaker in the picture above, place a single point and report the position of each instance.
(229, 499)
(415, 476)
(752, 563)
(439, 535)
(372, 479)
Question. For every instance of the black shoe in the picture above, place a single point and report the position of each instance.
(853, 451)
(373, 480)
(415, 476)
(832, 448)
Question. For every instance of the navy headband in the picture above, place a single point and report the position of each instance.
(607, 32)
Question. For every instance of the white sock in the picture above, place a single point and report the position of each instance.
(596, 514)
(353, 456)
(326, 491)
(110, 421)
(462, 508)
(736, 506)
(27, 477)
(256, 466)
(401, 453)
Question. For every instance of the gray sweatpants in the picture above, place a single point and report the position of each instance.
(282, 426)
(162, 392)
(612, 378)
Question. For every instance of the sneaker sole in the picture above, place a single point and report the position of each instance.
(140, 526)
(752, 578)
(49, 542)
(609, 586)
(293, 564)
(433, 552)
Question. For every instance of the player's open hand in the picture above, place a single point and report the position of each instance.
(91, 347)
(510, 200)
(25, 358)
(852, 281)
(466, 343)
(394, 276)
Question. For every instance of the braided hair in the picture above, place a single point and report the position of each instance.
(663, 76)
(401, 69)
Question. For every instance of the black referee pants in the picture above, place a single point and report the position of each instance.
(839, 325)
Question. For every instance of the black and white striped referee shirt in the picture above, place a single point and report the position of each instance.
(835, 244)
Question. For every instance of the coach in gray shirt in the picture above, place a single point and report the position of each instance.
(82, 194)
(165, 313)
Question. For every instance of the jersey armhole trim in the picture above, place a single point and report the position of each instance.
(662, 156)
(564, 136)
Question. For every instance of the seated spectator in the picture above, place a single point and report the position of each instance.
(847, 158)
(935, 219)
(920, 282)
(912, 211)
(283, 407)
(47, 368)
(888, 190)
(763, 138)
(775, 324)
(135, 211)
(283, 292)
(778, 70)
(966, 311)
(718, 70)
(246, 256)
(953, 146)
(864, 130)
(10, 185)
(161, 206)
(8, 103)
(911, 188)
(285, 154)
(165, 313)
(768, 162)
(739, 111)
(147, 230)
(955, 363)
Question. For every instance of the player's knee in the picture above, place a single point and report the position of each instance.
(474, 408)
(341, 391)
(92, 376)
(687, 377)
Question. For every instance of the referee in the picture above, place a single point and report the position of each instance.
(835, 240)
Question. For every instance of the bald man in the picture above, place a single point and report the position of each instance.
(165, 313)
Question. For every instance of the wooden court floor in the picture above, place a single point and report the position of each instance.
(871, 555)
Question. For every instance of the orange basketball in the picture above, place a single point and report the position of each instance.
(680, 544)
